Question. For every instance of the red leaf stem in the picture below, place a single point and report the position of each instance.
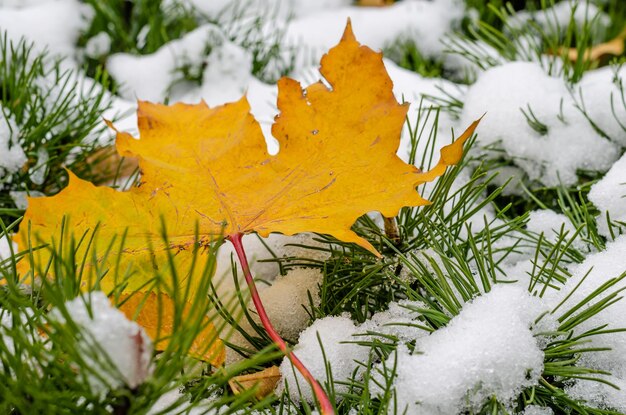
(326, 406)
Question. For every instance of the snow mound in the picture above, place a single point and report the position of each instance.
(608, 195)
(567, 142)
(150, 76)
(428, 21)
(279, 9)
(109, 339)
(601, 267)
(398, 320)
(6, 245)
(537, 410)
(336, 337)
(54, 25)
(287, 300)
(487, 350)
(600, 94)
(558, 17)
(12, 156)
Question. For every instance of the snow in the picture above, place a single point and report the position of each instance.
(53, 25)
(600, 267)
(17, 4)
(225, 76)
(339, 352)
(108, 338)
(399, 320)
(149, 77)
(411, 87)
(6, 325)
(176, 402)
(427, 21)
(599, 93)
(600, 395)
(98, 46)
(12, 156)
(570, 143)
(279, 9)
(487, 350)
(515, 251)
(39, 171)
(5, 247)
(287, 300)
(559, 16)
(548, 222)
(609, 196)
(537, 410)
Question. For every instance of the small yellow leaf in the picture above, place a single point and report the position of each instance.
(613, 47)
(375, 3)
(265, 381)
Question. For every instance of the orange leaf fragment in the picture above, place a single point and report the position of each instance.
(264, 381)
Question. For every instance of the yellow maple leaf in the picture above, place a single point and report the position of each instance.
(206, 171)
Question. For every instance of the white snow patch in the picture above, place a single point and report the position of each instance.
(600, 395)
(487, 350)
(558, 17)
(226, 74)
(537, 410)
(285, 297)
(105, 329)
(398, 320)
(411, 87)
(5, 247)
(19, 4)
(335, 336)
(600, 94)
(20, 197)
(175, 402)
(427, 21)
(515, 251)
(570, 142)
(12, 156)
(609, 196)
(604, 266)
(278, 9)
(149, 76)
(99, 45)
(54, 25)
(548, 222)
